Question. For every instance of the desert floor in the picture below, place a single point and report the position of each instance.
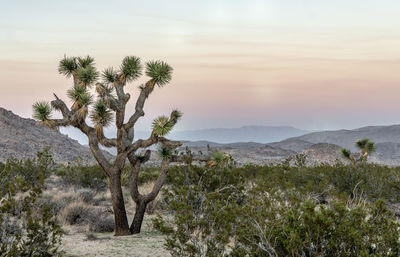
(78, 242)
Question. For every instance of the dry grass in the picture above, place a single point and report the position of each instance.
(96, 206)
(147, 243)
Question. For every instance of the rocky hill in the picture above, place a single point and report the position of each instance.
(292, 144)
(319, 147)
(346, 138)
(244, 153)
(322, 153)
(22, 138)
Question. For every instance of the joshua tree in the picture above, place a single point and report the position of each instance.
(111, 104)
(365, 146)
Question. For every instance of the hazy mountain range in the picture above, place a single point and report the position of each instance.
(259, 134)
(319, 147)
(22, 138)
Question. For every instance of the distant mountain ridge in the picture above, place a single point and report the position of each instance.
(346, 138)
(259, 134)
(21, 138)
(319, 147)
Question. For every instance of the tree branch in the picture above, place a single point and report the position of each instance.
(59, 104)
(136, 163)
(144, 94)
(143, 143)
(71, 119)
(159, 182)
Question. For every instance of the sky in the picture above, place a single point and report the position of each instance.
(313, 64)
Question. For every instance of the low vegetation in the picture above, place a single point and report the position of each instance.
(279, 211)
(27, 228)
(216, 209)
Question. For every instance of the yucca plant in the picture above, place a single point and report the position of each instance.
(366, 147)
(347, 154)
(41, 111)
(159, 71)
(110, 106)
(220, 158)
(165, 152)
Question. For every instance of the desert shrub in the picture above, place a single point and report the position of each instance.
(47, 200)
(270, 211)
(147, 174)
(59, 200)
(30, 172)
(80, 213)
(77, 213)
(374, 181)
(86, 195)
(277, 223)
(92, 177)
(26, 228)
(95, 178)
(202, 201)
(102, 223)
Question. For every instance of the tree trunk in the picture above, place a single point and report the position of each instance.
(138, 219)
(120, 218)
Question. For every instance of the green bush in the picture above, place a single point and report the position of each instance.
(374, 181)
(289, 225)
(273, 211)
(26, 228)
(146, 174)
(203, 203)
(92, 177)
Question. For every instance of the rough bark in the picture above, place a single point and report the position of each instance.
(138, 219)
(120, 217)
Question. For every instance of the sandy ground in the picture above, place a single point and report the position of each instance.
(78, 241)
(148, 243)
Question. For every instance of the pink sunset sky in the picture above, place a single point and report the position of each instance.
(310, 64)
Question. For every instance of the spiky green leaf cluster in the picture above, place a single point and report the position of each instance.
(41, 111)
(87, 75)
(346, 153)
(365, 144)
(159, 71)
(80, 95)
(165, 152)
(109, 75)
(101, 115)
(131, 68)
(85, 61)
(175, 116)
(82, 67)
(162, 126)
(67, 65)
